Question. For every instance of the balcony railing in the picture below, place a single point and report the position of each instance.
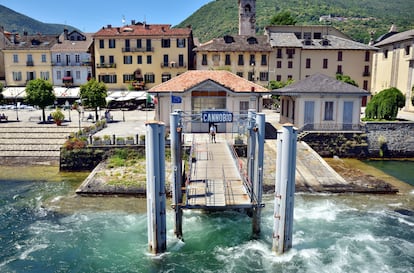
(137, 49)
(331, 127)
(106, 65)
(173, 65)
(366, 74)
(29, 63)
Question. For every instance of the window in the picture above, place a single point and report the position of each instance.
(290, 52)
(328, 110)
(365, 85)
(44, 75)
(101, 44)
(149, 78)
(204, 59)
(240, 74)
(181, 43)
(407, 50)
(77, 58)
(102, 59)
(290, 64)
(366, 71)
(165, 77)
(264, 76)
(127, 59)
(317, 35)
(43, 58)
(279, 64)
(107, 78)
(252, 59)
(15, 58)
(367, 56)
(325, 64)
(250, 76)
(17, 76)
(227, 60)
(263, 60)
(308, 63)
(165, 43)
(29, 61)
(111, 43)
(278, 78)
(127, 78)
(165, 60)
(339, 70)
(58, 75)
(139, 43)
(111, 60)
(181, 60)
(127, 45)
(139, 59)
(149, 59)
(241, 60)
(279, 53)
(339, 56)
(148, 45)
(289, 77)
(244, 107)
(58, 58)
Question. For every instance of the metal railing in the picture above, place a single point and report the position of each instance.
(331, 127)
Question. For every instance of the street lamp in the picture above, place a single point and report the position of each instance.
(67, 106)
(252, 65)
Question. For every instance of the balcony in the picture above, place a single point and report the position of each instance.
(366, 74)
(106, 65)
(29, 63)
(137, 49)
(173, 65)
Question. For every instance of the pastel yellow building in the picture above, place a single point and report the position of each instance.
(393, 65)
(28, 57)
(139, 56)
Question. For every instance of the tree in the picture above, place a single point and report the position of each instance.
(385, 104)
(283, 18)
(93, 94)
(347, 79)
(40, 92)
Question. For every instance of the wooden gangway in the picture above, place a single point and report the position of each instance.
(214, 181)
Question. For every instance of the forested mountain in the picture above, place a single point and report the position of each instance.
(16, 22)
(356, 18)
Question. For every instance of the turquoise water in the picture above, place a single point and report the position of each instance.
(44, 227)
(402, 170)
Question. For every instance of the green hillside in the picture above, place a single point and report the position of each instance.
(16, 22)
(362, 16)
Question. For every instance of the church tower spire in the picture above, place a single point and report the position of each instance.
(247, 17)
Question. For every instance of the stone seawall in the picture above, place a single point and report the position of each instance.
(390, 139)
(378, 139)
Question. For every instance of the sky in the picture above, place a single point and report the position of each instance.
(91, 15)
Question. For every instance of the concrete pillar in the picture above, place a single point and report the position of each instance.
(284, 190)
(156, 199)
(259, 131)
(176, 183)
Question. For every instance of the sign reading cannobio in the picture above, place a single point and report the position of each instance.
(216, 116)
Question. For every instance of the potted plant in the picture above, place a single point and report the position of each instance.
(120, 141)
(129, 140)
(57, 116)
(97, 140)
(107, 140)
(142, 139)
(238, 140)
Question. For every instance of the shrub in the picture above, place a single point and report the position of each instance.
(385, 104)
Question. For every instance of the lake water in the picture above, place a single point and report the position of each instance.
(44, 227)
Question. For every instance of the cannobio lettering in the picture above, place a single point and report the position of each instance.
(217, 117)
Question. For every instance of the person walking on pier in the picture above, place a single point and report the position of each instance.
(213, 133)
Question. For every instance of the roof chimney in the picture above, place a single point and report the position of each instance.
(132, 22)
(65, 32)
(109, 26)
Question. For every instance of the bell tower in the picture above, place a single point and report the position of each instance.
(247, 17)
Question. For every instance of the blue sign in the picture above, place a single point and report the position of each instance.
(216, 117)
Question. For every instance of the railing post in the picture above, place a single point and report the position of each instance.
(284, 190)
(176, 183)
(259, 131)
(251, 147)
(156, 199)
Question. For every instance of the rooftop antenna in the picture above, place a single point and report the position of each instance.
(123, 20)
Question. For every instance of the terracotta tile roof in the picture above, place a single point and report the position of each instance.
(236, 43)
(74, 46)
(32, 42)
(140, 29)
(193, 78)
(320, 84)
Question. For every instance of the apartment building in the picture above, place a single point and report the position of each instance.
(28, 57)
(301, 51)
(71, 59)
(139, 56)
(393, 64)
(245, 56)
